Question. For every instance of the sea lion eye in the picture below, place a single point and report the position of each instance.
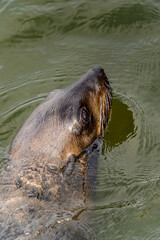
(84, 116)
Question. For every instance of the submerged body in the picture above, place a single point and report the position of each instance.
(53, 156)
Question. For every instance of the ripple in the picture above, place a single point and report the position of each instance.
(39, 21)
(3, 8)
(68, 228)
(35, 78)
(21, 96)
(14, 117)
(126, 15)
(153, 235)
(125, 170)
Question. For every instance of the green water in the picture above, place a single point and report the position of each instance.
(50, 44)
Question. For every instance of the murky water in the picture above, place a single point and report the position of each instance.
(49, 44)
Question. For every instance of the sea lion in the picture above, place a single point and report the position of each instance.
(65, 123)
(53, 156)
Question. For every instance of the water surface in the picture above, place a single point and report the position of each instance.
(49, 44)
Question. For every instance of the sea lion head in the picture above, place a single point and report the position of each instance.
(84, 110)
(68, 121)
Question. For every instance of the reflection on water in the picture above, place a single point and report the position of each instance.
(52, 18)
(46, 45)
(121, 126)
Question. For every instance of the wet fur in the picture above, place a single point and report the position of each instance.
(53, 163)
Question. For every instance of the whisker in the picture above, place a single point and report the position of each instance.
(101, 116)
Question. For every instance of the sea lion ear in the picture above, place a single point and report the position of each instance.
(53, 94)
